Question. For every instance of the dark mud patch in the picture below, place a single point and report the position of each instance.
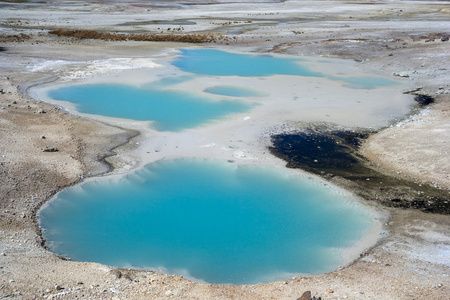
(423, 100)
(333, 154)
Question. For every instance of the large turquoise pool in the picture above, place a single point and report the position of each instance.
(208, 220)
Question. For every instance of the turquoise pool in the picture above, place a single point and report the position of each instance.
(170, 110)
(207, 220)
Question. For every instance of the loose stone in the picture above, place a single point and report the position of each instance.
(49, 149)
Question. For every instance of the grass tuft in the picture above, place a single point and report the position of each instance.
(96, 35)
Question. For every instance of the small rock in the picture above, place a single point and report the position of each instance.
(49, 149)
(402, 74)
(330, 291)
(41, 111)
(413, 91)
(444, 39)
(306, 296)
(2, 254)
(116, 273)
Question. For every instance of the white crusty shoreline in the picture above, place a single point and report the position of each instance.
(383, 38)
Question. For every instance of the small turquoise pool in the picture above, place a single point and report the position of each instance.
(170, 110)
(222, 63)
(208, 220)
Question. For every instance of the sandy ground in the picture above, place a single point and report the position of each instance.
(405, 38)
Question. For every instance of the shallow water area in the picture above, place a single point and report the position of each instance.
(222, 63)
(170, 110)
(209, 221)
(196, 87)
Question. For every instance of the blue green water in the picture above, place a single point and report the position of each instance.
(210, 220)
(221, 63)
(175, 110)
(171, 110)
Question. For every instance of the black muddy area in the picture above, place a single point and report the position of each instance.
(333, 154)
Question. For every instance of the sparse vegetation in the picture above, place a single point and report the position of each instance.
(15, 38)
(182, 38)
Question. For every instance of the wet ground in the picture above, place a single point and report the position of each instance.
(333, 154)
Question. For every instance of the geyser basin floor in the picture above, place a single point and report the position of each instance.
(213, 221)
(283, 99)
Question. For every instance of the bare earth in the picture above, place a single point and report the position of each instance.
(406, 38)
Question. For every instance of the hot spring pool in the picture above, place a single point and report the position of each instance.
(208, 220)
(212, 220)
(170, 110)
